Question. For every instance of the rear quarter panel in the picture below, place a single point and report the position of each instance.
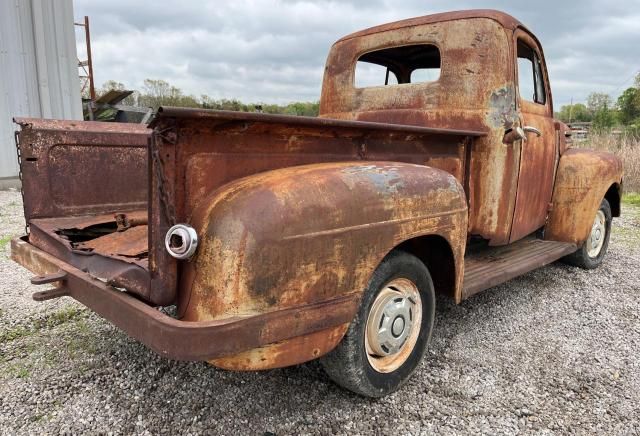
(312, 233)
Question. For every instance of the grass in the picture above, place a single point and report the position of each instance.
(62, 316)
(632, 198)
(4, 241)
(14, 333)
(18, 371)
(49, 321)
(26, 349)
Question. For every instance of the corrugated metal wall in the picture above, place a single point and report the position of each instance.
(38, 68)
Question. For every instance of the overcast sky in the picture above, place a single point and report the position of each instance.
(274, 50)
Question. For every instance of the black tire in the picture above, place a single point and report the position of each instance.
(348, 364)
(581, 257)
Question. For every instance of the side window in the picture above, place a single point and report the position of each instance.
(530, 79)
(398, 66)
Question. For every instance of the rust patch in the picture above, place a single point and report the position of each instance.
(295, 213)
(583, 178)
(129, 243)
(285, 353)
(469, 42)
(295, 235)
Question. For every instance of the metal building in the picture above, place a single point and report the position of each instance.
(38, 69)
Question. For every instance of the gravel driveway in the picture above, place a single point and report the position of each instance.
(554, 351)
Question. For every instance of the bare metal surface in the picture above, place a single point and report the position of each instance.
(181, 241)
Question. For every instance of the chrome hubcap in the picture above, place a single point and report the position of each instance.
(597, 236)
(393, 325)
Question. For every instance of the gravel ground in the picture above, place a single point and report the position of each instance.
(554, 351)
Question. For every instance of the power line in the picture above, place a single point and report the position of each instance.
(633, 75)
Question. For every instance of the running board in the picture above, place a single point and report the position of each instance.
(495, 265)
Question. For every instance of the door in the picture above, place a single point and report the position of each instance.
(538, 148)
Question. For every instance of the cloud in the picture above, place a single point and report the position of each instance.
(274, 50)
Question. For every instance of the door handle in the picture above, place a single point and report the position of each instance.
(532, 130)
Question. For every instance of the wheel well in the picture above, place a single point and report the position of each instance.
(613, 197)
(435, 252)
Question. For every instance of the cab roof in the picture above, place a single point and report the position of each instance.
(505, 20)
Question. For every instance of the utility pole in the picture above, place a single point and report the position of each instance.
(571, 110)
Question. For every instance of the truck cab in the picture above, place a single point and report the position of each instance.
(479, 70)
(435, 166)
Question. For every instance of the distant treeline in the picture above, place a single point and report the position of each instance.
(605, 113)
(600, 109)
(156, 93)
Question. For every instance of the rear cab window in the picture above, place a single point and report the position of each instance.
(402, 65)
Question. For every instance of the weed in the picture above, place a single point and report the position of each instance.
(17, 371)
(4, 241)
(14, 333)
(626, 147)
(62, 316)
(632, 198)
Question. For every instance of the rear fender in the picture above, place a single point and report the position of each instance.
(299, 235)
(583, 179)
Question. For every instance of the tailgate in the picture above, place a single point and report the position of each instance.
(87, 201)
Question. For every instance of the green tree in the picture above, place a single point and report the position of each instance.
(629, 105)
(109, 85)
(157, 92)
(112, 84)
(576, 112)
(604, 119)
(596, 101)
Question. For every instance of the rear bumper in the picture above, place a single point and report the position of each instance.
(184, 340)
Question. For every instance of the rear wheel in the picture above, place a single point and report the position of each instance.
(592, 252)
(390, 333)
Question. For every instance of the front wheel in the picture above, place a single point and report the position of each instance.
(592, 252)
(390, 333)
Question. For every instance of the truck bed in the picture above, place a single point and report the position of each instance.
(79, 176)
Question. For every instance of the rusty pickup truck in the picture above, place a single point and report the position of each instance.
(435, 167)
